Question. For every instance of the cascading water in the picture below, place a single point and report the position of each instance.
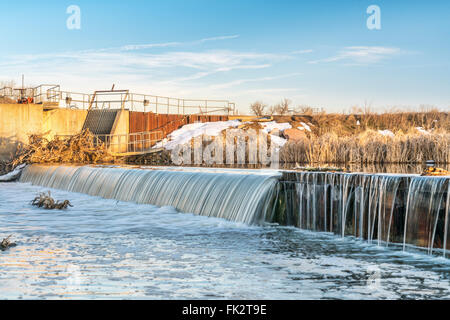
(237, 197)
(426, 213)
(408, 210)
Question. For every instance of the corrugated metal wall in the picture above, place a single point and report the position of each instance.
(147, 121)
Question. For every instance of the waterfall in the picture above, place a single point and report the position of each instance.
(237, 197)
(408, 210)
(426, 213)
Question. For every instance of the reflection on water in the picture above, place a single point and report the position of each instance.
(392, 168)
(413, 168)
(107, 249)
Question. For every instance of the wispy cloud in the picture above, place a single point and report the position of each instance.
(303, 51)
(272, 90)
(242, 81)
(203, 74)
(361, 55)
(201, 63)
(166, 71)
(174, 44)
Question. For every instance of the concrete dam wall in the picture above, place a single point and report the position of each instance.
(18, 121)
(407, 211)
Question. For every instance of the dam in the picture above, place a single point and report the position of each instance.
(224, 233)
(405, 211)
(127, 121)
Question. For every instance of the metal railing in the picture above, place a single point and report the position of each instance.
(169, 105)
(131, 143)
(16, 93)
(140, 142)
(121, 99)
(46, 93)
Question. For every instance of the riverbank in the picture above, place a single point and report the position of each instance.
(339, 140)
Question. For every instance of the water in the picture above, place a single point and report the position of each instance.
(103, 248)
(401, 168)
(382, 208)
(236, 197)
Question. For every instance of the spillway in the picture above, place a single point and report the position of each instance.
(407, 210)
(236, 197)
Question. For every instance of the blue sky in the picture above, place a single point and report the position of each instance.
(317, 53)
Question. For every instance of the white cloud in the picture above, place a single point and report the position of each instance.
(272, 90)
(303, 51)
(175, 44)
(361, 55)
(188, 65)
(242, 81)
(167, 71)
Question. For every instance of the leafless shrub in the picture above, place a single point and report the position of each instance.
(258, 108)
(369, 147)
(273, 110)
(283, 107)
(304, 109)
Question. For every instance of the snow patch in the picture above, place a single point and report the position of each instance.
(304, 127)
(190, 131)
(422, 130)
(213, 129)
(386, 133)
(279, 141)
(13, 175)
(273, 125)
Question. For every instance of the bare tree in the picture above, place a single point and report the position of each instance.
(273, 110)
(368, 114)
(258, 108)
(304, 109)
(356, 110)
(367, 108)
(283, 107)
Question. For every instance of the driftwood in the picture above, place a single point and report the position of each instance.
(80, 148)
(6, 244)
(44, 200)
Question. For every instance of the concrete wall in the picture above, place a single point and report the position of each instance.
(63, 122)
(18, 121)
(121, 128)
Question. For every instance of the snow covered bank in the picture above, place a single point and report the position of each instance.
(13, 175)
(214, 129)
